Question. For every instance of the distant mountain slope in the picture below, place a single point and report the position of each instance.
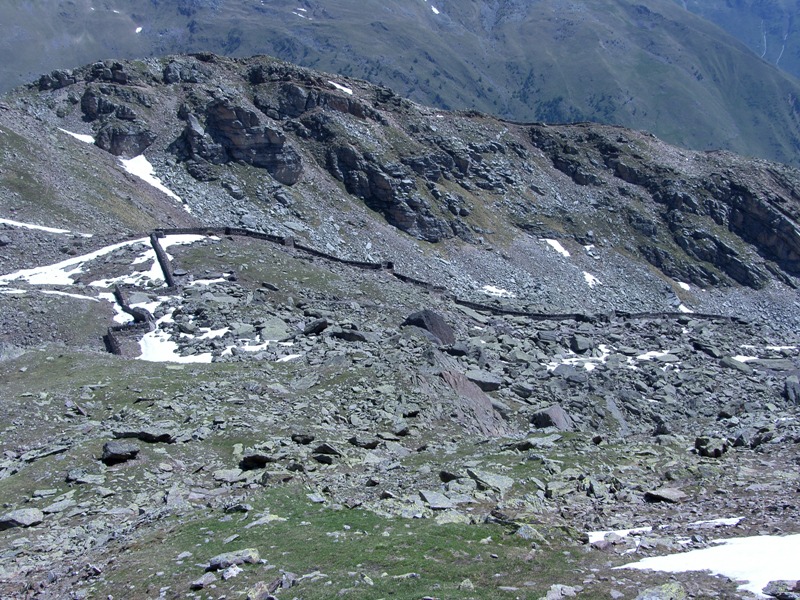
(770, 28)
(648, 65)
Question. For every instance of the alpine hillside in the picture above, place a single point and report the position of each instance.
(269, 332)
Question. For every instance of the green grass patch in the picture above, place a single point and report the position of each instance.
(359, 554)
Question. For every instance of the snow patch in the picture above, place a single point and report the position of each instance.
(120, 316)
(556, 245)
(138, 30)
(683, 286)
(210, 334)
(685, 309)
(341, 88)
(497, 292)
(79, 136)
(591, 280)
(727, 522)
(435, 11)
(140, 167)
(62, 273)
(207, 281)
(289, 357)
(68, 295)
(651, 355)
(158, 347)
(742, 358)
(589, 363)
(599, 536)
(40, 228)
(755, 560)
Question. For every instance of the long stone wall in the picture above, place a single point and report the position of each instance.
(388, 266)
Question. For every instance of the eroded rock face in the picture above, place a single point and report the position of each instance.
(389, 189)
(125, 140)
(234, 132)
(707, 219)
(709, 211)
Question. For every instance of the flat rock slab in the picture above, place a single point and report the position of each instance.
(206, 580)
(473, 408)
(552, 416)
(229, 475)
(488, 382)
(671, 495)
(434, 323)
(238, 557)
(24, 517)
(81, 476)
(60, 506)
(776, 364)
(668, 591)
(490, 481)
(532, 443)
(731, 363)
(436, 500)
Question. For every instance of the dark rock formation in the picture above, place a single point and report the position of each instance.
(234, 132)
(432, 322)
(126, 140)
(119, 452)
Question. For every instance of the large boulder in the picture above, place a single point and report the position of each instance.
(118, 452)
(432, 322)
(552, 416)
(488, 382)
(791, 389)
(24, 517)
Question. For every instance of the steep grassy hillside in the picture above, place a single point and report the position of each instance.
(770, 28)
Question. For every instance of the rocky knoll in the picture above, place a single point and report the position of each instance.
(709, 219)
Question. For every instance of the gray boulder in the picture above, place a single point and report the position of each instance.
(237, 557)
(485, 380)
(118, 452)
(710, 447)
(791, 389)
(433, 323)
(783, 590)
(552, 416)
(24, 517)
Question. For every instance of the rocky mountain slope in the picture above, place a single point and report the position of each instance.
(447, 352)
(649, 65)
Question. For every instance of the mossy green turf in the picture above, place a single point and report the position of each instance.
(403, 558)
